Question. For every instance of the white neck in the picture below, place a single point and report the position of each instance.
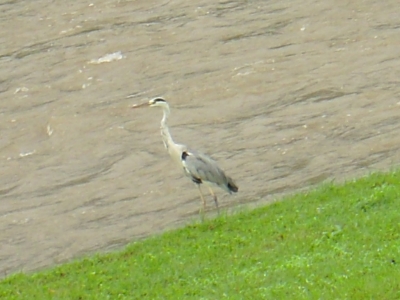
(166, 136)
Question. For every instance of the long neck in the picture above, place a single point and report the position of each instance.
(166, 136)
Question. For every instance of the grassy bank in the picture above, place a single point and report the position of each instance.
(337, 242)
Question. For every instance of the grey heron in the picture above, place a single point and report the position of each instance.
(199, 167)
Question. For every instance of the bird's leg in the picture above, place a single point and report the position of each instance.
(215, 198)
(202, 199)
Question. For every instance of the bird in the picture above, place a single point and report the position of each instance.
(197, 166)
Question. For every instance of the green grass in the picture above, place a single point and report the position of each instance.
(335, 242)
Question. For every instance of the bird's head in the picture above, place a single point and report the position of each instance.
(158, 102)
(153, 102)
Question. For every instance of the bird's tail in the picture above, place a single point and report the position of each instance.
(231, 185)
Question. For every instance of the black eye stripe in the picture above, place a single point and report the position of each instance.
(184, 155)
(159, 100)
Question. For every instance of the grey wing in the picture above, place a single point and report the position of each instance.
(202, 168)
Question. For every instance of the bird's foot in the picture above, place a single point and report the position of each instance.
(202, 214)
(216, 203)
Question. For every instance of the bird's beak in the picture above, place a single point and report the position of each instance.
(140, 105)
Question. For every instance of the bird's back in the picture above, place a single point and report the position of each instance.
(203, 169)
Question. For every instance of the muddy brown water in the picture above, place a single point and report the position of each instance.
(284, 94)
